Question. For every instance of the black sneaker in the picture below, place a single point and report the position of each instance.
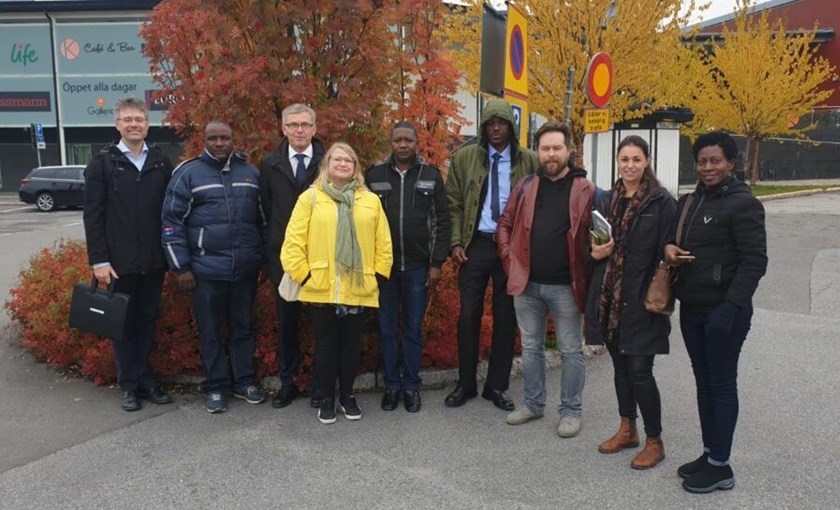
(348, 406)
(326, 413)
(215, 403)
(250, 394)
(709, 479)
(692, 467)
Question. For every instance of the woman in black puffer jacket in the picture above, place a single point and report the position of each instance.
(722, 256)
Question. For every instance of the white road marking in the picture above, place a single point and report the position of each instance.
(72, 224)
(17, 209)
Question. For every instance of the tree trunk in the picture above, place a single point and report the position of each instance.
(578, 144)
(748, 159)
(754, 171)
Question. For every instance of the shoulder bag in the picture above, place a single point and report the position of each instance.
(660, 296)
(289, 289)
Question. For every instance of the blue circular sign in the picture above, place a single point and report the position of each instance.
(517, 52)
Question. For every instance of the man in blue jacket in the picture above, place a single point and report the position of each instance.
(213, 227)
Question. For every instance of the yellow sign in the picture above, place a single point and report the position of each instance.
(520, 118)
(596, 120)
(516, 54)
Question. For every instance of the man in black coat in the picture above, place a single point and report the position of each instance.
(124, 188)
(414, 199)
(283, 176)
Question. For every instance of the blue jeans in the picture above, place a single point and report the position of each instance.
(216, 303)
(715, 364)
(532, 309)
(406, 290)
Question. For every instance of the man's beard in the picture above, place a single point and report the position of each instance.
(554, 167)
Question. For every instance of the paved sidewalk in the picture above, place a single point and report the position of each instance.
(67, 445)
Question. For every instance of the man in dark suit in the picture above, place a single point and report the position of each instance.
(283, 176)
(124, 188)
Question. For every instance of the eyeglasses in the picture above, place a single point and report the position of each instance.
(294, 126)
(129, 120)
(346, 161)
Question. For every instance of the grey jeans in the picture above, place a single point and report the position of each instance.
(532, 309)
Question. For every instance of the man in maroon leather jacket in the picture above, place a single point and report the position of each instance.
(543, 241)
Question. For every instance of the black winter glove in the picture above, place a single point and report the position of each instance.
(721, 320)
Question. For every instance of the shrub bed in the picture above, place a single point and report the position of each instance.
(40, 304)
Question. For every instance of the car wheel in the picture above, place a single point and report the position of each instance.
(45, 202)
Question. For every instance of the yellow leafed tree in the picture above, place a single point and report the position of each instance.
(758, 80)
(641, 36)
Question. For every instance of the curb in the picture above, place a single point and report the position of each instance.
(433, 378)
(794, 194)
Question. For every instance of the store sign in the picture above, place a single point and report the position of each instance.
(100, 48)
(23, 53)
(25, 101)
(89, 101)
(25, 50)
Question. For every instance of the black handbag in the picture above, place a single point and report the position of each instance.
(99, 311)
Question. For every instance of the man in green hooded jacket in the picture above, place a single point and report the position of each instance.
(478, 185)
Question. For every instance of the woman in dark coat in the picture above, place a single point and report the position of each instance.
(641, 213)
(722, 256)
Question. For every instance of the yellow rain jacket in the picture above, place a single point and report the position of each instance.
(309, 248)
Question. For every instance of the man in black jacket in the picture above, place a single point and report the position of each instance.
(283, 176)
(124, 188)
(414, 198)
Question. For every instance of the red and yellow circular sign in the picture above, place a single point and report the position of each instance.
(599, 79)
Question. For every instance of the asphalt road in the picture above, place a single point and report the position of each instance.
(66, 444)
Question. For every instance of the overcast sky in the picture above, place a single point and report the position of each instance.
(717, 8)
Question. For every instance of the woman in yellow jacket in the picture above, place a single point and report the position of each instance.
(337, 247)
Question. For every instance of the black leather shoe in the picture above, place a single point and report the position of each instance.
(411, 398)
(285, 396)
(128, 401)
(459, 397)
(390, 400)
(499, 399)
(155, 395)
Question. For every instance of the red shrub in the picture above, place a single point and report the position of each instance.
(40, 304)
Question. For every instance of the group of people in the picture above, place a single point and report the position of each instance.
(353, 240)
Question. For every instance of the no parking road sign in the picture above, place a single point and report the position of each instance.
(599, 79)
(516, 54)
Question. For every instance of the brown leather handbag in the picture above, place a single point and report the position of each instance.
(660, 296)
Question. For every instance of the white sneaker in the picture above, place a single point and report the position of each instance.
(569, 426)
(521, 415)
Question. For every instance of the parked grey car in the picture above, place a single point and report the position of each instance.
(49, 187)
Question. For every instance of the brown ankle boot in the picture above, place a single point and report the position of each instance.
(626, 437)
(651, 455)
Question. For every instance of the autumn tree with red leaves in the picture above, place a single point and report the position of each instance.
(425, 89)
(243, 61)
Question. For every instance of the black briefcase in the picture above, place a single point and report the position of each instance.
(98, 311)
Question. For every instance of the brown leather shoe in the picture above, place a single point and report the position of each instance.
(651, 455)
(626, 437)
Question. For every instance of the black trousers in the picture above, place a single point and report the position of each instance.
(635, 385)
(473, 275)
(337, 348)
(132, 354)
(288, 343)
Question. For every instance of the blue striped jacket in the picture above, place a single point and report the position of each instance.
(212, 221)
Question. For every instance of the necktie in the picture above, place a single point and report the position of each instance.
(494, 182)
(300, 173)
